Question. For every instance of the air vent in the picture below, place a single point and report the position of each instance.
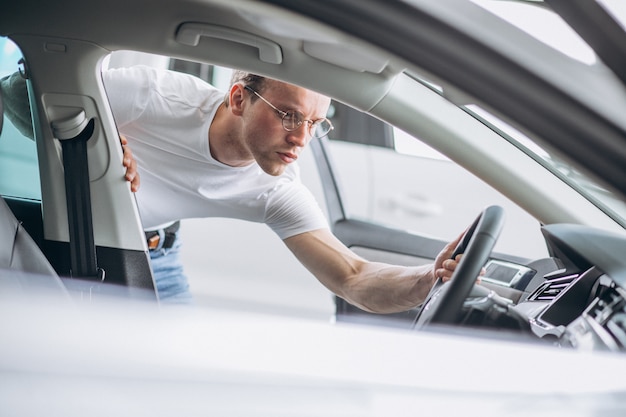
(609, 310)
(552, 288)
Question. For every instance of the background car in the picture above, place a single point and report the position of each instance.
(504, 110)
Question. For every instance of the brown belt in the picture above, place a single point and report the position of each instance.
(162, 238)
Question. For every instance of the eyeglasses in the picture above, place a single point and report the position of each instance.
(293, 119)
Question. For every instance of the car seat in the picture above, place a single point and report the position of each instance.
(22, 264)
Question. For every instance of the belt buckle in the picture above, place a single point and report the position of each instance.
(156, 241)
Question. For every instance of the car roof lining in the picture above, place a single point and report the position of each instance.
(314, 51)
(317, 52)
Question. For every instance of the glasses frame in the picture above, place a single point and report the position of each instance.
(313, 124)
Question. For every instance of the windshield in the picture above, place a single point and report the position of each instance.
(535, 18)
(601, 197)
(543, 24)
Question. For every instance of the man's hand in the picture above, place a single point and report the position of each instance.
(130, 163)
(444, 266)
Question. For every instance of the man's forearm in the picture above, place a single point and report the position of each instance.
(382, 288)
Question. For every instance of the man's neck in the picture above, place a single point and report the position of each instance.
(225, 140)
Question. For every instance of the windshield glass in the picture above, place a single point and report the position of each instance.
(601, 197)
(535, 18)
(617, 9)
(543, 24)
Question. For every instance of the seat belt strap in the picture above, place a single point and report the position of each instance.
(74, 133)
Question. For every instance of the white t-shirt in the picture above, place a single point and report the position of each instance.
(165, 116)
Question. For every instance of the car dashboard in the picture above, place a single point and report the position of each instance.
(583, 304)
(588, 313)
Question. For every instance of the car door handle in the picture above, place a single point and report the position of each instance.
(413, 204)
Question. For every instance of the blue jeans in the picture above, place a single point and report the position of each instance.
(170, 280)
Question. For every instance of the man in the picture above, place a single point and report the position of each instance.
(200, 154)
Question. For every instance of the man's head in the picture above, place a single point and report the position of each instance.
(277, 119)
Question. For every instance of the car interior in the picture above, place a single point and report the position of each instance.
(86, 228)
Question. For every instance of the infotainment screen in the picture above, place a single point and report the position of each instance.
(506, 273)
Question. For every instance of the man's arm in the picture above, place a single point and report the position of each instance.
(372, 286)
(16, 105)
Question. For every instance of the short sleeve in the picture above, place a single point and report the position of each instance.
(292, 209)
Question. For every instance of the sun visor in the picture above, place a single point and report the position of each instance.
(347, 57)
(320, 42)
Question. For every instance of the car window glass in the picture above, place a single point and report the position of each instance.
(214, 75)
(544, 25)
(406, 180)
(19, 170)
(396, 180)
(606, 200)
(415, 188)
(617, 9)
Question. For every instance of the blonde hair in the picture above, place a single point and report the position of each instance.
(256, 82)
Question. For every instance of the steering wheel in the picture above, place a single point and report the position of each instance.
(445, 301)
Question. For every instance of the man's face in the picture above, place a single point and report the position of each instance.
(270, 144)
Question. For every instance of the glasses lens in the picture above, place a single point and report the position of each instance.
(292, 120)
(320, 128)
